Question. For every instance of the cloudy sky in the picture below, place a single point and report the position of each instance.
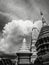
(22, 9)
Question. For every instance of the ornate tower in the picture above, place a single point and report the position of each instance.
(24, 54)
(34, 34)
(42, 44)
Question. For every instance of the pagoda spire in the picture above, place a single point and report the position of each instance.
(24, 47)
(43, 19)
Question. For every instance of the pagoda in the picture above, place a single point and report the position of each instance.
(42, 44)
(24, 54)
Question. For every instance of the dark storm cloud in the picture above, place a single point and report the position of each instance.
(3, 20)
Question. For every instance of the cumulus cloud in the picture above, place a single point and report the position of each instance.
(24, 26)
(38, 24)
(14, 32)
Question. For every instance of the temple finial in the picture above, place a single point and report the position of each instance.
(24, 47)
(43, 19)
(24, 40)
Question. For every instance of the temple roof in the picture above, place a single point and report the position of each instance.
(44, 32)
(24, 48)
(7, 55)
